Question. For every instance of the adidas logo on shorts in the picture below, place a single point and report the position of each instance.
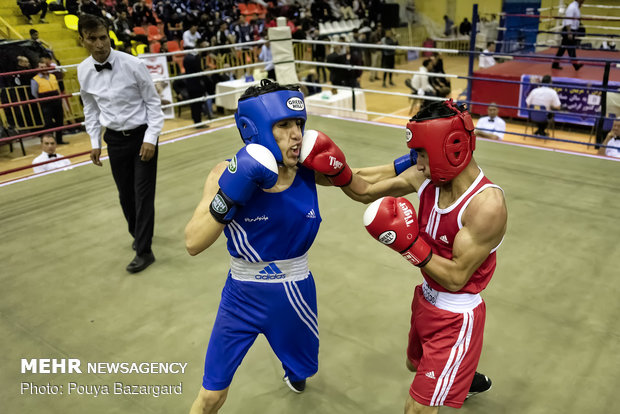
(311, 214)
(430, 374)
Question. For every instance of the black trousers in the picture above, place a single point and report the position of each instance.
(53, 115)
(568, 44)
(135, 180)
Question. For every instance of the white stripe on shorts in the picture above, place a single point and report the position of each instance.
(300, 308)
(460, 347)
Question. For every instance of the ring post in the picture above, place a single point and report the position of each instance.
(472, 48)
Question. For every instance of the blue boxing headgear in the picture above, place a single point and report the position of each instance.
(256, 116)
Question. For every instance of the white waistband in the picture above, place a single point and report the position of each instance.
(277, 271)
(453, 302)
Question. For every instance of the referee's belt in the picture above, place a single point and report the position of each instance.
(130, 132)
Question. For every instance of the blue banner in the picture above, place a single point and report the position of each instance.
(574, 95)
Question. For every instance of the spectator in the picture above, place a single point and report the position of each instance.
(375, 54)
(266, 56)
(11, 93)
(419, 83)
(311, 77)
(22, 79)
(142, 14)
(123, 27)
(611, 145)
(486, 60)
(388, 55)
(441, 85)
(32, 7)
(39, 45)
(318, 54)
(89, 7)
(337, 76)
(174, 27)
(191, 37)
(42, 85)
(195, 86)
(545, 97)
(48, 147)
(491, 126)
(448, 26)
(465, 27)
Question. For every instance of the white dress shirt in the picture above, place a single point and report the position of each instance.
(121, 99)
(189, 39)
(572, 15)
(50, 166)
(543, 96)
(485, 60)
(613, 152)
(496, 126)
(420, 82)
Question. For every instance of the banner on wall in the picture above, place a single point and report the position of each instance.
(158, 68)
(583, 103)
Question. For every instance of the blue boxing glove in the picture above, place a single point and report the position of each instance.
(406, 161)
(252, 168)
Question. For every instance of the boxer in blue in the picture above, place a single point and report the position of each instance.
(266, 204)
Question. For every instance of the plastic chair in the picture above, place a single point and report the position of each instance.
(117, 43)
(153, 33)
(71, 22)
(173, 46)
(141, 49)
(139, 30)
(243, 8)
(539, 114)
(155, 47)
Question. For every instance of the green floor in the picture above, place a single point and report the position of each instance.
(552, 342)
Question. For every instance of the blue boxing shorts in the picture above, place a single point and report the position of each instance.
(285, 312)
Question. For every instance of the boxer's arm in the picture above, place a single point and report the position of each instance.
(202, 229)
(396, 186)
(484, 226)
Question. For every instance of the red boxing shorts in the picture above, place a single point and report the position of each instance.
(445, 342)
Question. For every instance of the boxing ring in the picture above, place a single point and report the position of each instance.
(551, 329)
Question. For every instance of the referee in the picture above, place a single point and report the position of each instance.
(118, 94)
(570, 30)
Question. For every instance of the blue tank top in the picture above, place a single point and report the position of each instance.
(276, 226)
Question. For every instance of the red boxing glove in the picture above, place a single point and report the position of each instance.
(393, 222)
(320, 153)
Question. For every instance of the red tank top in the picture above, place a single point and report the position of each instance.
(438, 227)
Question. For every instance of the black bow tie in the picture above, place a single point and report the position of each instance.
(52, 155)
(106, 65)
(491, 119)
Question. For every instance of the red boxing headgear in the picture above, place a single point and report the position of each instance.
(446, 132)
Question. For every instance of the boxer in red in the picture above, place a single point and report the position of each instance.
(453, 239)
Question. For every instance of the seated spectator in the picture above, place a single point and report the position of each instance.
(39, 45)
(419, 83)
(89, 7)
(486, 60)
(48, 147)
(465, 27)
(191, 37)
(123, 27)
(611, 145)
(545, 97)
(311, 77)
(32, 7)
(491, 126)
(42, 85)
(142, 14)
